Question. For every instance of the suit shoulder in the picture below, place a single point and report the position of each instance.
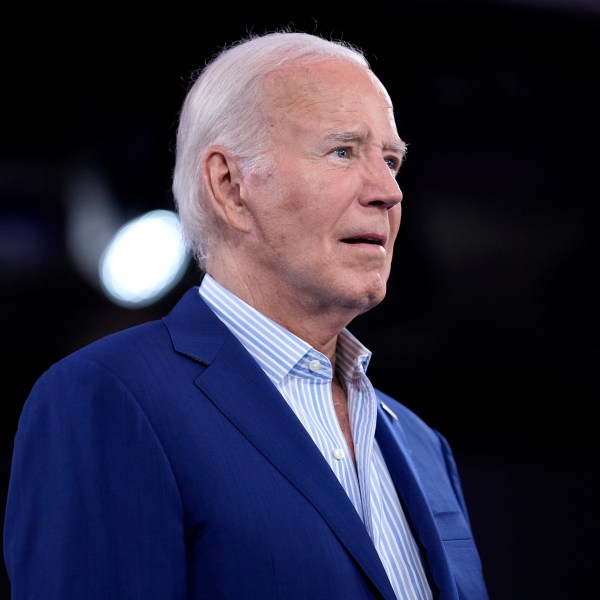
(125, 340)
(414, 426)
(118, 349)
(149, 337)
(401, 410)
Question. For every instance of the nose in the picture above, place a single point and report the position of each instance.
(381, 188)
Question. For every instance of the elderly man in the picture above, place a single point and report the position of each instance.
(236, 448)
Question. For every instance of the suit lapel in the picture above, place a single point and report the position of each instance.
(397, 454)
(244, 394)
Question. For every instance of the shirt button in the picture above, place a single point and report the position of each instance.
(314, 366)
(338, 453)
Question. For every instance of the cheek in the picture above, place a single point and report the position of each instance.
(292, 209)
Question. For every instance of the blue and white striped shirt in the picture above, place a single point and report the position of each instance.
(304, 377)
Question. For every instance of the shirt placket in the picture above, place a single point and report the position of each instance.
(335, 449)
(361, 409)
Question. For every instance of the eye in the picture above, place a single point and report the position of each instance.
(392, 163)
(343, 152)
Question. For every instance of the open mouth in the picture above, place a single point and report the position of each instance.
(363, 240)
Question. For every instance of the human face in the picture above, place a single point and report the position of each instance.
(327, 214)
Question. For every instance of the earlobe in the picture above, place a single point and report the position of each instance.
(225, 190)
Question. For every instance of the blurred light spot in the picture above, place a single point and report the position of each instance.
(92, 218)
(145, 260)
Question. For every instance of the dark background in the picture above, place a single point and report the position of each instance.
(490, 327)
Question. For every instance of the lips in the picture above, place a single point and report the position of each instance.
(374, 239)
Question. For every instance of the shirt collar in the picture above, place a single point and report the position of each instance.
(275, 348)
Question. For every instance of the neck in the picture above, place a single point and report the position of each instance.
(318, 325)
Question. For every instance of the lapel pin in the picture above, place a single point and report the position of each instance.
(389, 411)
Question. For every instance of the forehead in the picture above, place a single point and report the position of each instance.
(331, 89)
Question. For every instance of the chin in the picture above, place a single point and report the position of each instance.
(368, 299)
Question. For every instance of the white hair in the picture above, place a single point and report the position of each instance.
(223, 106)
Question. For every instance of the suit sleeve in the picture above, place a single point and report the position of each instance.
(93, 509)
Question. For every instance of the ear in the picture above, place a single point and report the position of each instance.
(224, 183)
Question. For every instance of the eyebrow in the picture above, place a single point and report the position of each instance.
(354, 136)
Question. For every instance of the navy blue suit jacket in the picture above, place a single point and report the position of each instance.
(161, 463)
